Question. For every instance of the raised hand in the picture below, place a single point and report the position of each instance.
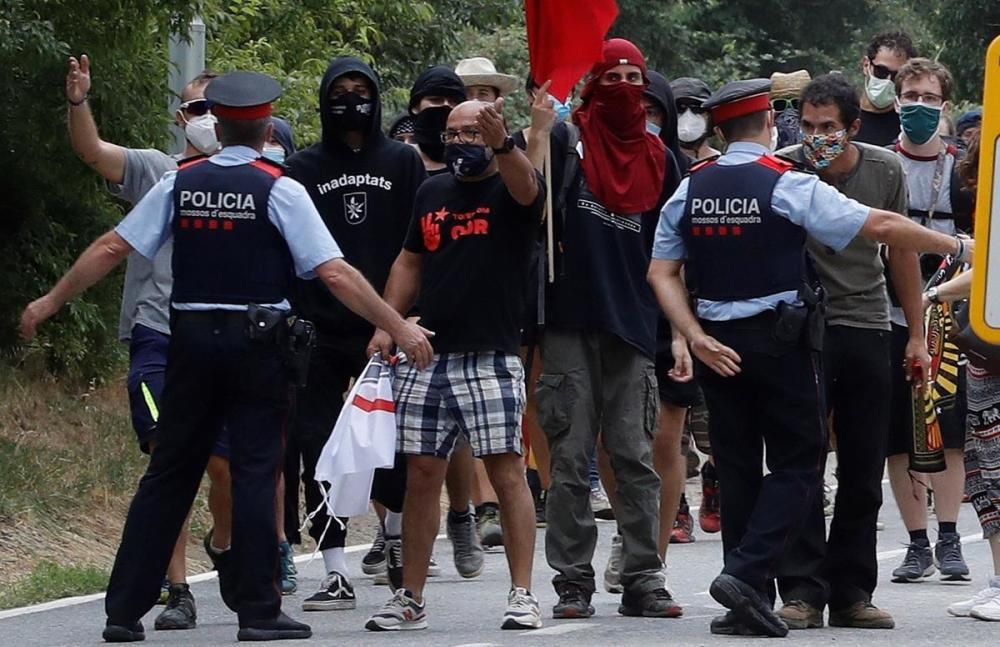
(491, 125)
(543, 113)
(78, 79)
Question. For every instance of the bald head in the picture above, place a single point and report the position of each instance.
(464, 114)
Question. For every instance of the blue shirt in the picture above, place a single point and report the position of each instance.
(149, 225)
(826, 214)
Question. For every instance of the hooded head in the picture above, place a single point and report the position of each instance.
(662, 97)
(343, 104)
(283, 135)
(435, 92)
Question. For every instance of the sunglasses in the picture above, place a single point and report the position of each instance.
(882, 72)
(196, 107)
(781, 105)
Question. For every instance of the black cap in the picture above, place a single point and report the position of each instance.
(739, 98)
(242, 95)
(690, 88)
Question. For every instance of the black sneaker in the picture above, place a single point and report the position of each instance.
(948, 556)
(657, 603)
(918, 564)
(574, 602)
(281, 628)
(124, 633)
(730, 625)
(373, 563)
(394, 562)
(335, 594)
(222, 563)
(749, 606)
(180, 612)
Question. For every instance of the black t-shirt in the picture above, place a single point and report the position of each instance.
(878, 128)
(476, 243)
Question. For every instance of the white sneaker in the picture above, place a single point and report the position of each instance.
(522, 610)
(964, 608)
(433, 570)
(989, 610)
(613, 571)
(400, 613)
(601, 505)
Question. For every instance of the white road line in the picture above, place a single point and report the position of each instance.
(560, 629)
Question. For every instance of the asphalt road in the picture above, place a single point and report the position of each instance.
(467, 613)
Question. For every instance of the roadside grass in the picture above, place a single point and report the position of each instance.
(50, 581)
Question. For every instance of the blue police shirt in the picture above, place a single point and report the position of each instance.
(826, 214)
(148, 226)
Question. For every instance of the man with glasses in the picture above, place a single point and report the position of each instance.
(467, 254)
(936, 201)
(841, 572)
(145, 314)
(694, 124)
(887, 52)
(785, 91)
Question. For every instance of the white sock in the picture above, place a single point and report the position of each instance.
(333, 559)
(393, 523)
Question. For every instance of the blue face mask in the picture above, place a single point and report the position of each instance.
(652, 128)
(562, 109)
(274, 153)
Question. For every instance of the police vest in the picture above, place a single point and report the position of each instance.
(226, 249)
(737, 247)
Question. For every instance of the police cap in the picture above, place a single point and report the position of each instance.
(686, 88)
(739, 98)
(242, 95)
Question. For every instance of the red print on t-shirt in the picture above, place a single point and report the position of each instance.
(432, 230)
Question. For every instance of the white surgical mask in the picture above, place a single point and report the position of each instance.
(691, 127)
(881, 92)
(274, 153)
(774, 139)
(200, 131)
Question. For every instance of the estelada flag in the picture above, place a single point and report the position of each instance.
(565, 39)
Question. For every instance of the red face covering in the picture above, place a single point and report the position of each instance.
(623, 164)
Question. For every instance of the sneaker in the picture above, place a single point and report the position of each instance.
(801, 615)
(918, 564)
(433, 570)
(749, 606)
(394, 563)
(989, 610)
(601, 505)
(949, 560)
(335, 594)
(964, 608)
(180, 612)
(683, 530)
(522, 610)
(573, 603)
(465, 544)
(540, 521)
(657, 603)
(123, 633)
(730, 625)
(222, 563)
(613, 571)
(861, 615)
(400, 613)
(709, 517)
(374, 561)
(281, 628)
(488, 525)
(289, 574)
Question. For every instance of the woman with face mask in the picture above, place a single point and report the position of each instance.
(282, 143)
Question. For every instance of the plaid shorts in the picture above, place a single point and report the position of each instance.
(479, 395)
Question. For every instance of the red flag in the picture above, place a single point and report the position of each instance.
(565, 38)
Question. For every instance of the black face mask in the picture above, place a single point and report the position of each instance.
(351, 111)
(427, 128)
(467, 160)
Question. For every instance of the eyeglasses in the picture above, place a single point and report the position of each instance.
(927, 98)
(464, 136)
(196, 107)
(882, 72)
(781, 105)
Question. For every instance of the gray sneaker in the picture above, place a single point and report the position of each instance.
(180, 612)
(613, 571)
(949, 560)
(465, 543)
(488, 525)
(918, 564)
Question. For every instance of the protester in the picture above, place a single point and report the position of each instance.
(467, 255)
(694, 124)
(435, 92)
(752, 335)
(936, 201)
(967, 125)
(482, 81)
(363, 185)
(599, 375)
(886, 53)
(401, 129)
(842, 572)
(785, 91)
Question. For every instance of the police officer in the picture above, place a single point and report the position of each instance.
(241, 232)
(738, 226)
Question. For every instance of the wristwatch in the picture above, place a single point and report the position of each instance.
(508, 146)
(932, 295)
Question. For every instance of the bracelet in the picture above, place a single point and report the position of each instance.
(80, 102)
(960, 252)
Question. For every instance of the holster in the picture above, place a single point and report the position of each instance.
(294, 337)
(815, 299)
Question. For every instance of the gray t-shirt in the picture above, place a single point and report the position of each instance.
(146, 293)
(854, 278)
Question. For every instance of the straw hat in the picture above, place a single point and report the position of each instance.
(481, 71)
(789, 86)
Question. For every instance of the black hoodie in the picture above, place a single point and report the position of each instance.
(660, 92)
(365, 198)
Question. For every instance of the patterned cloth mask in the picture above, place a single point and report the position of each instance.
(821, 150)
